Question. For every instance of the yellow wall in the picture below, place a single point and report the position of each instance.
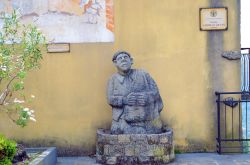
(164, 38)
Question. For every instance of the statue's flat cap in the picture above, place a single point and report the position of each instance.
(118, 53)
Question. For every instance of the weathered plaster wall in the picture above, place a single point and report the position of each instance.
(164, 38)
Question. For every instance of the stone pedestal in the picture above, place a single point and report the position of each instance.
(134, 148)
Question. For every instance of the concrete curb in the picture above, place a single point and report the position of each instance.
(47, 157)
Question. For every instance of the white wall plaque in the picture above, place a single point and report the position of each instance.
(58, 48)
(213, 18)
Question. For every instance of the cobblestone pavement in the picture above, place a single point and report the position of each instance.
(181, 159)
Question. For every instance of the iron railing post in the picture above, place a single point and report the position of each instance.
(218, 124)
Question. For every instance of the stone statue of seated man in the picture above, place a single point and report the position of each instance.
(135, 99)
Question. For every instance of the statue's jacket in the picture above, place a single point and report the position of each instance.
(137, 81)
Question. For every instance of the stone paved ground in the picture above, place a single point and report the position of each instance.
(181, 159)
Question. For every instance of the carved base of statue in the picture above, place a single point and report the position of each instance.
(134, 148)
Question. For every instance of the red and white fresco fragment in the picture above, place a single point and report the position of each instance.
(73, 21)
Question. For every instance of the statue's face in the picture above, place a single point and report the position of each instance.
(123, 62)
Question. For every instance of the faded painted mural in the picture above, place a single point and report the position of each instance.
(73, 21)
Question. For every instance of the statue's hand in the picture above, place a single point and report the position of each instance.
(131, 99)
(142, 99)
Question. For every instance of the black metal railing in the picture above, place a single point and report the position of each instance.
(233, 122)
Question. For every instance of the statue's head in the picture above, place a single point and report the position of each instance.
(123, 61)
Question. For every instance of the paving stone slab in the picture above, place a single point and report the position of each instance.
(181, 159)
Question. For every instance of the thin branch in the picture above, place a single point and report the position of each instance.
(9, 115)
(3, 96)
(8, 100)
(6, 92)
(11, 81)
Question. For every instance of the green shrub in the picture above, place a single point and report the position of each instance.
(7, 150)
